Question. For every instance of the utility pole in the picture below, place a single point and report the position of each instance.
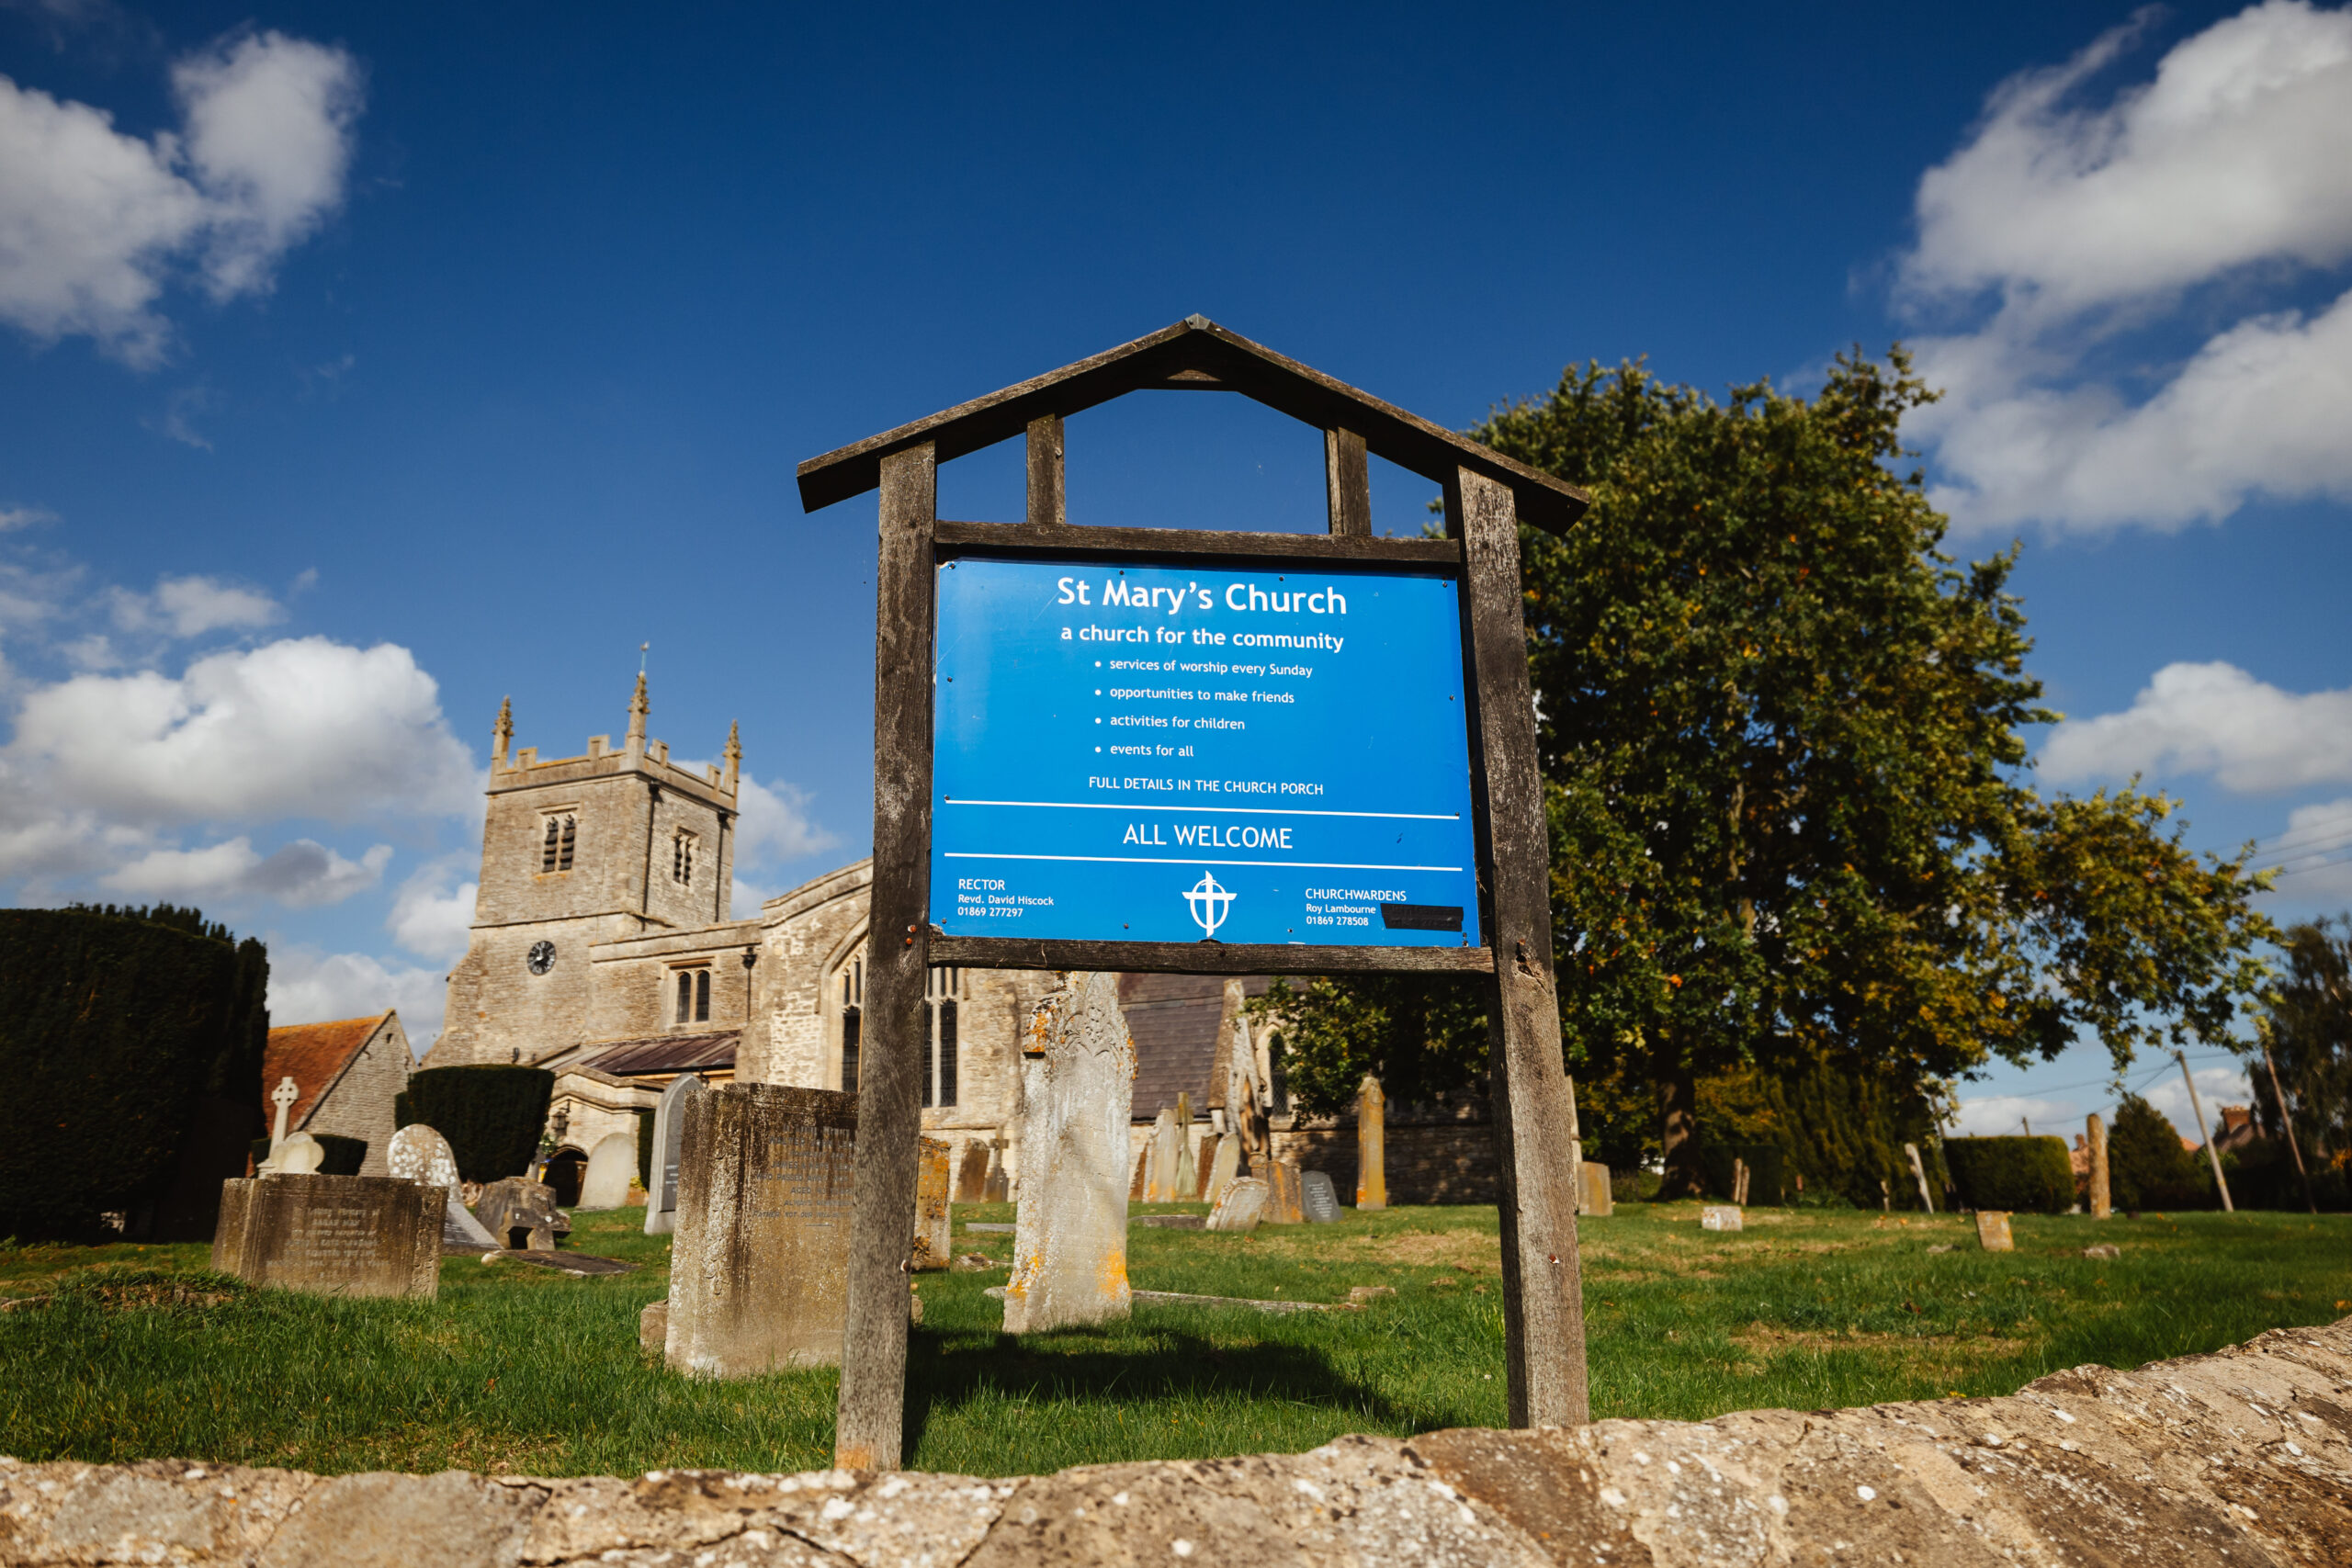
(2293, 1147)
(2027, 1125)
(2211, 1153)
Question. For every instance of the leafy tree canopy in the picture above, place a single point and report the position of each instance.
(2306, 1023)
(1784, 744)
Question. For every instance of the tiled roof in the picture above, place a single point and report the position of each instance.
(668, 1053)
(1173, 1019)
(314, 1054)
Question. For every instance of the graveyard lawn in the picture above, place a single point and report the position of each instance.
(122, 1353)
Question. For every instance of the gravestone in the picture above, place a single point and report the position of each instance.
(661, 1202)
(612, 1165)
(972, 1174)
(297, 1154)
(521, 1214)
(1720, 1217)
(1187, 1185)
(1223, 1167)
(2102, 1195)
(757, 1272)
(1159, 1165)
(421, 1154)
(1372, 1146)
(332, 1235)
(1919, 1175)
(1284, 1199)
(1317, 1198)
(999, 1189)
(1993, 1231)
(934, 1248)
(1594, 1197)
(1069, 1244)
(1142, 1171)
(1240, 1206)
(283, 1097)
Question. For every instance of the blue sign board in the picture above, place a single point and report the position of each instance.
(1139, 754)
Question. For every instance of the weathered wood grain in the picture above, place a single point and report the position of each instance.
(1049, 501)
(890, 1061)
(1347, 481)
(1534, 1107)
(1176, 542)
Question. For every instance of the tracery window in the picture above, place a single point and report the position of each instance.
(694, 996)
(853, 1017)
(682, 858)
(557, 832)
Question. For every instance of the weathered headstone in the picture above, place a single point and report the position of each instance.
(1993, 1231)
(2102, 1200)
(661, 1199)
(1240, 1206)
(283, 1097)
(1187, 1185)
(521, 1214)
(612, 1165)
(1223, 1167)
(1720, 1217)
(1372, 1146)
(757, 1271)
(972, 1173)
(421, 1154)
(1594, 1197)
(334, 1235)
(933, 1247)
(1078, 1075)
(1284, 1198)
(1318, 1199)
(297, 1154)
(1159, 1166)
(998, 1187)
(1135, 1183)
(1919, 1175)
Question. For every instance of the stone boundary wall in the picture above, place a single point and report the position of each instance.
(2243, 1457)
(1437, 1162)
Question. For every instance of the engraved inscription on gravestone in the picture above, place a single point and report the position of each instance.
(358, 1235)
(1318, 1197)
(662, 1203)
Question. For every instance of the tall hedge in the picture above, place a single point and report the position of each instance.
(493, 1115)
(2147, 1164)
(1766, 1172)
(2025, 1175)
(121, 1032)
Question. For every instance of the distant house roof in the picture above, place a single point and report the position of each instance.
(1174, 1020)
(314, 1056)
(667, 1053)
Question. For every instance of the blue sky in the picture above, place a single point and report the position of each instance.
(359, 369)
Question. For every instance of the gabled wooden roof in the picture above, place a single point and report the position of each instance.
(1196, 354)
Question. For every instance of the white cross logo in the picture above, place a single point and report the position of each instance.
(1209, 903)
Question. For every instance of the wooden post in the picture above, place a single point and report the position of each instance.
(2288, 1122)
(1535, 1117)
(2211, 1154)
(2102, 1202)
(1049, 502)
(1347, 481)
(867, 1433)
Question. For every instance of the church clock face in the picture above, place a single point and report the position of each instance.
(542, 957)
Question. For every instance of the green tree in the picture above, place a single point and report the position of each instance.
(1782, 739)
(2147, 1164)
(2306, 1023)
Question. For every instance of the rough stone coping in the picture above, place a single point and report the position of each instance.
(2243, 1457)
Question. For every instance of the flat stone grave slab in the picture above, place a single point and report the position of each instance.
(1173, 1222)
(997, 1226)
(582, 1264)
(332, 1235)
(1721, 1217)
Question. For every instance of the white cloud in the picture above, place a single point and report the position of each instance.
(2212, 718)
(309, 987)
(1997, 1116)
(298, 727)
(2232, 166)
(776, 824)
(302, 875)
(190, 606)
(13, 517)
(433, 914)
(2216, 1086)
(2314, 856)
(94, 222)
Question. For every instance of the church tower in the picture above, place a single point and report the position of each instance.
(575, 852)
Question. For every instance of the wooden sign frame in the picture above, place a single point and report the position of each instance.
(1486, 497)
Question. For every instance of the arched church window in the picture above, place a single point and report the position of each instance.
(702, 995)
(942, 987)
(557, 832)
(682, 858)
(694, 996)
(685, 996)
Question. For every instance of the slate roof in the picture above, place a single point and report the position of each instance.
(314, 1055)
(668, 1053)
(1174, 1020)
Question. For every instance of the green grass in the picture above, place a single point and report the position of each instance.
(135, 1354)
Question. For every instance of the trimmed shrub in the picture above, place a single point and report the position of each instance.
(491, 1115)
(2025, 1175)
(343, 1155)
(118, 1029)
(2147, 1164)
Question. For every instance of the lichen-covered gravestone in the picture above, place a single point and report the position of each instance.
(1240, 1206)
(1224, 1167)
(1318, 1200)
(1186, 1187)
(612, 1165)
(757, 1272)
(1993, 1231)
(521, 1214)
(1284, 1194)
(1069, 1247)
(1159, 1159)
(332, 1235)
(1372, 1146)
(933, 1247)
(420, 1154)
(662, 1202)
(1593, 1195)
(972, 1173)
(1720, 1217)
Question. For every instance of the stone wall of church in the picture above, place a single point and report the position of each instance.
(634, 983)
